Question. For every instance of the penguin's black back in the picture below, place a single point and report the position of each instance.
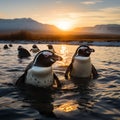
(22, 53)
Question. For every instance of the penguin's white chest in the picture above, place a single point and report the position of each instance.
(81, 67)
(40, 76)
(34, 50)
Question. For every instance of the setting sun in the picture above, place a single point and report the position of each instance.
(64, 25)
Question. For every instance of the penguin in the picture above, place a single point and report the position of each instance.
(5, 47)
(35, 49)
(51, 48)
(39, 72)
(10, 45)
(23, 53)
(81, 66)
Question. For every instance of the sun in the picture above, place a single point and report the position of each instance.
(64, 25)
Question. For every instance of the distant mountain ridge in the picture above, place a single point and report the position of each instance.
(25, 24)
(28, 24)
(101, 29)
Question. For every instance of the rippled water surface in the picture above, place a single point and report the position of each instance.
(89, 100)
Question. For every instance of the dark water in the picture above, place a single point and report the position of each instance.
(89, 100)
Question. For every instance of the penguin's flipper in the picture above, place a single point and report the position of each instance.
(21, 80)
(94, 72)
(69, 68)
(57, 81)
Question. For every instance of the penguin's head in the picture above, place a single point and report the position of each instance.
(34, 46)
(20, 47)
(22, 52)
(5, 47)
(45, 58)
(50, 46)
(84, 51)
(10, 45)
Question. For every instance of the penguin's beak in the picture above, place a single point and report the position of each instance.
(92, 50)
(56, 58)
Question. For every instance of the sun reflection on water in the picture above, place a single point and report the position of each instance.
(64, 52)
(68, 106)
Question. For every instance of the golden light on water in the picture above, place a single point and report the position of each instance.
(63, 49)
(68, 107)
(64, 52)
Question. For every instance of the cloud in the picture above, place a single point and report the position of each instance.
(111, 14)
(111, 10)
(102, 16)
(88, 2)
(58, 1)
(83, 17)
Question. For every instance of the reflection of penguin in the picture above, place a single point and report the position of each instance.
(22, 52)
(81, 66)
(35, 49)
(40, 99)
(39, 73)
(5, 47)
(50, 47)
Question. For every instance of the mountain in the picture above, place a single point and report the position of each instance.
(28, 24)
(99, 29)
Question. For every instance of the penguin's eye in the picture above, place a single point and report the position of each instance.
(46, 55)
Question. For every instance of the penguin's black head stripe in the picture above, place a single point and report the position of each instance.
(46, 58)
(45, 53)
(84, 50)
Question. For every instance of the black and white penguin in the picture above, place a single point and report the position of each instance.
(35, 49)
(23, 53)
(81, 66)
(51, 48)
(10, 45)
(39, 73)
(5, 47)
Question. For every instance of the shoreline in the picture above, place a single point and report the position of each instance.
(93, 43)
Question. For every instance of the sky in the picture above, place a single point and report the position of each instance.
(63, 13)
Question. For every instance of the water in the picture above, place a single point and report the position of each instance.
(89, 100)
